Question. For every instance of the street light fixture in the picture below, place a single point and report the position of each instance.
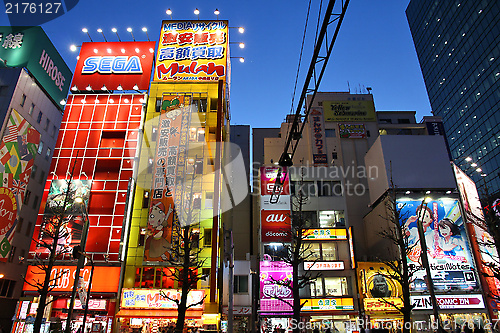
(130, 30)
(169, 13)
(116, 32)
(102, 33)
(146, 31)
(87, 32)
(197, 13)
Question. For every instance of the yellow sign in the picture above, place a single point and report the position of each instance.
(320, 304)
(192, 51)
(375, 281)
(375, 304)
(349, 111)
(339, 234)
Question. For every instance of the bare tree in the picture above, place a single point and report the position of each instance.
(399, 270)
(54, 231)
(184, 256)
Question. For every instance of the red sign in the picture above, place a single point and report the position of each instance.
(276, 225)
(105, 279)
(268, 176)
(114, 64)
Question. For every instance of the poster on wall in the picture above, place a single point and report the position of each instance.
(448, 249)
(355, 110)
(192, 51)
(169, 168)
(273, 294)
(377, 284)
(18, 149)
(352, 131)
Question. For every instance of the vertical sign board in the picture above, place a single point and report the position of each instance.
(448, 249)
(113, 64)
(18, 149)
(270, 291)
(31, 48)
(475, 217)
(192, 51)
(318, 137)
(169, 165)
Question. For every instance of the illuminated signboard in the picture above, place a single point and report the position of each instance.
(192, 51)
(18, 149)
(268, 177)
(324, 265)
(423, 302)
(105, 279)
(153, 299)
(376, 282)
(112, 64)
(275, 225)
(94, 304)
(318, 137)
(31, 48)
(375, 304)
(352, 131)
(351, 248)
(270, 291)
(349, 111)
(325, 234)
(320, 304)
(449, 255)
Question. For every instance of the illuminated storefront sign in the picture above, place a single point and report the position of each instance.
(105, 279)
(375, 304)
(324, 265)
(375, 281)
(153, 299)
(349, 111)
(279, 203)
(351, 248)
(18, 149)
(318, 137)
(275, 225)
(31, 48)
(352, 131)
(192, 51)
(325, 234)
(448, 302)
(94, 304)
(449, 255)
(320, 304)
(270, 291)
(113, 64)
(268, 177)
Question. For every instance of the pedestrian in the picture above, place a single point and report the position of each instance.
(478, 328)
(316, 329)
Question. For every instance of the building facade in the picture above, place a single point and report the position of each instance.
(457, 47)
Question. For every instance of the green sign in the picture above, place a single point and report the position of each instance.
(31, 48)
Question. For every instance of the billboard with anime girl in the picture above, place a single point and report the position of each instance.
(447, 244)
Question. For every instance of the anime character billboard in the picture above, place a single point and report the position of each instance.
(448, 249)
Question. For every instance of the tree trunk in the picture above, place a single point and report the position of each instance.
(186, 282)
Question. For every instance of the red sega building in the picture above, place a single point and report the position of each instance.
(96, 148)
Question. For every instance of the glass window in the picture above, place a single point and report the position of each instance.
(329, 251)
(33, 171)
(331, 218)
(54, 130)
(314, 249)
(329, 188)
(276, 251)
(336, 286)
(39, 118)
(47, 123)
(47, 155)
(40, 147)
(209, 198)
(330, 132)
(23, 100)
(241, 284)
(316, 287)
(207, 237)
(32, 107)
(310, 219)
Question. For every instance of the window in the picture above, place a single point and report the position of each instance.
(47, 123)
(334, 155)
(329, 286)
(12, 253)
(331, 218)
(47, 155)
(403, 121)
(310, 218)
(28, 231)
(197, 201)
(385, 121)
(23, 100)
(206, 273)
(27, 197)
(201, 104)
(33, 171)
(329, 188)
(213, 104)
(145, 199)
(32, 108)
(305, 188)
(39, 118)
(325, 251)
(19, 224)
(7, 287)
(275, 251)
(42, 177)
(330, 132)
(241, 284)
(40, 147)
(54, 130)
(207, 237)
(209, 198)
(35, 202)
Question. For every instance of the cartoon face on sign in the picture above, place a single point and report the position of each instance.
(379, 286)
(159, 230)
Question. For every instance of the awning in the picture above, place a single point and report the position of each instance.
(158, 313)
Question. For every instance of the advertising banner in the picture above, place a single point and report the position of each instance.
(321, 304)
(31, 48)
(378, 305)
(270, 291)
(275, 225)
(112, 64)
(192, 51)
(282, 202)
(169, 166)
(105, 279)
(18, 149)
(325, 234)
(324, 265)
(268, 177)
(423, 302)
(448, 249)
(375, 281)
(318, 138)
(349, 111)
(153, 299)
(352, 131)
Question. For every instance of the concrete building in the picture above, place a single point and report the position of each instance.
(457, 47)
(30, 117)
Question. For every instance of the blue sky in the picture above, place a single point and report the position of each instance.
(374, 48)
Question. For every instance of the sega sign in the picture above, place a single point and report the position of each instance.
(114, 64)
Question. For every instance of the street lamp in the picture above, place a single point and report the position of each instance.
(79, 265)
